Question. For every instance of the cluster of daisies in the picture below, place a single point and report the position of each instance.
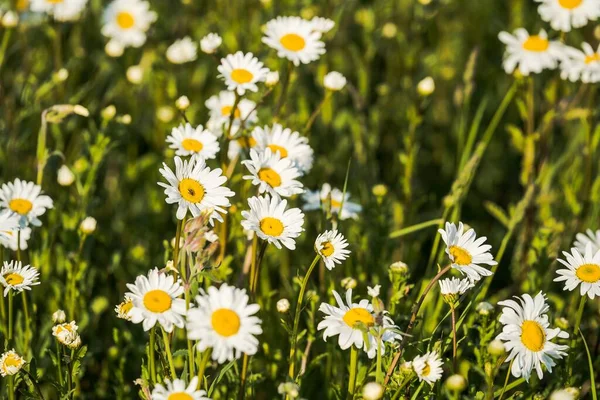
(535, 53)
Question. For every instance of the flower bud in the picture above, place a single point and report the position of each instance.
(372, 391)
(124, 119)
(88, 225)
(484, 308)
(135, 74)
(349, 283)
(283, 306)
(59, 316)
(334, 81)
(456, 383)
(496, 348)
(10, 19)
(114, 49)
(64, 176)
(289, 388)
(272, 78)
(182, 103)
(210, 43)
(389, 30)
(165, 114)
(426, 86)
(379, 190)
(109, 112)
(61, 75)
(562, 323)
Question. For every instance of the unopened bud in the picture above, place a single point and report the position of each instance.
(456, 383)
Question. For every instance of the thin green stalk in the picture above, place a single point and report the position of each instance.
(316, 113)
(397, 394)
(259, 258)
(414, 396)
(167, 343)
(41, 149)
(28, 322)
(245, 363)
(353, 368)
(506, 379)
(10, 316)
(284, 89)
(11, 387)
(151, 359)
(513, 385)
(415, 228)
(454, 347)
(232, 115)
(202, 365)
(177, 243)
(378, 370)
(59, 366)
(293, 344)
(70, 378)
(591, 366)
(573, 343)
(4, 46)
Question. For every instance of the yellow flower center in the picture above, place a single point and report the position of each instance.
(271, 226)
(63, 327)
(13, 279)
(532, 335)
(180, 396)
(192, 145)
(226, 111)
(275, 148)
(426, 369)
(270, 176)
(20, 206)
(589, 273)
(125, 307)
(125, 20)
(12, 361)
(327, 249)
(54, 1)
(292, 42)
(241, 75)
(358, 315)
(593, 58)
(225, 322)
(191, 190)
(157, 301)
(460, 255)
(570, 4)
(536, 43)
(335, 203)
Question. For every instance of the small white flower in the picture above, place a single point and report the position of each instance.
(182, 51)
(323, 25)
(565, 394)
(64, 332)
(273, 174)
(182, 103)
(582, 240)
(211, 236)
(566, 14)
(373, 291)
(272, 78)
(187, 141)
(25, 199)
(332, 199)
(195, 187)
(289, 388)
(532, 53)
(221, 107)
(271, 221)
(456, 383)
(582, 270)
(295, 39)
(88, 225)
(527, 336)
(59, 316)
(63, 10)
(242, 72)
(580, 65)
(65, 176)
(156, 299)
(426, 86)
(372, 391)
(114, 48)
(135, 74)
(466, 251)
(334, 81)
(224, 320)
(14, 276)
(178, 390)
(10, 19)
(428, 367)
(11, 363)
(126, 21)
(452, 288)
(283, 305)
(287, 142)
(210, 43)
(331, 246)
(122, 309)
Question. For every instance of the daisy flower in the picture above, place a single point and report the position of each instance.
(182, 51)
(220, 107)
(25, 199)
(195, 187)
(566, 14)
(210, 43)
(11, 363)
(10, 238)
(235, 146)
(331, 246)
(15, 276)
(65, 332)
(323, 25)
(581, 65)
(155, 299)
(187, 141)
(582, 270)
(532, 53)
(178, 390)
(332, 199)
(526, 335)
(428, 367)
(287, 142)
(466, 252)
(271, 221)
(241, 72)
(334, 81)
(124, 308)
(224, 321)
(352, 323)
(582, 240)
(126, 22)
(273, 174)
(294, 38)
(452, 288)
(8, 223)
(62, 10)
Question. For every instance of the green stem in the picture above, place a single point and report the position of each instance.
(41, 149)
(294, 343)
(259, 259)
(591, 366)
(454, 347)
(59, 366)
(574, 336)
(415, 228)
(151, 359)
(27, 323)
(353, 368)
(316, 113)
(202, 366)
(167, 343)
(232, 115)
(245, 362)
(4, 46)
(10, 316)
(284, 89)
(177, 244)
(506, 379)
(378, 371)
(11, 387)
